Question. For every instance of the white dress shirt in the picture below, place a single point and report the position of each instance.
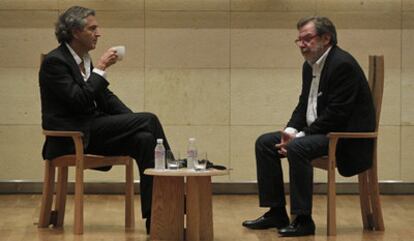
(311, 112)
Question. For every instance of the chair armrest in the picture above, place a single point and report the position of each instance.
(63, 133)
(77, 140)
(333, 141)
(352, 135)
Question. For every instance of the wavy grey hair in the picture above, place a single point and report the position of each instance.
(73, 18)
(323, 25)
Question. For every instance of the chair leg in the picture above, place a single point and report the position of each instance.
(47, 196)
(370, 199)
(79, 201)
(129, 195)
(331, 220)
(61, 191)
(364, 199)
(377, 219)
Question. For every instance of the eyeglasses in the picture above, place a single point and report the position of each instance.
(305, 40)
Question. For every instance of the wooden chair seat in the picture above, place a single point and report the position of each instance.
(80, 161)
(91, 161)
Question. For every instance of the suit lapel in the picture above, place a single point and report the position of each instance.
(307, 79)
(73, 65)
(325, 70)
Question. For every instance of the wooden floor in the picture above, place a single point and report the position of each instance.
(104, 219)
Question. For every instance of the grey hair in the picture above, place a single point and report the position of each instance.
(73, 18)
(323, 25)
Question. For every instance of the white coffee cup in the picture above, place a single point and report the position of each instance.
(120, 51)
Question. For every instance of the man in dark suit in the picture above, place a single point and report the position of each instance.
(335, 97)
(75, 96)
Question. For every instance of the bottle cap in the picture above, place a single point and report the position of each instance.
(159, 141)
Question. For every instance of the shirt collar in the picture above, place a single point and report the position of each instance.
(321, 61)
(78, 59)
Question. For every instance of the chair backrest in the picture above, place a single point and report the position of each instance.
(376, 83)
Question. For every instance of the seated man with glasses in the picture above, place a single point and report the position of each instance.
(335, 97)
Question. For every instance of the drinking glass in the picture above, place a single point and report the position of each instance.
(200, 163)
(172, 159)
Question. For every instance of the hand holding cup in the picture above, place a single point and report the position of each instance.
(120, 51)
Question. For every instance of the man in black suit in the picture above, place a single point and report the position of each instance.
(75, 96)
(335, 97)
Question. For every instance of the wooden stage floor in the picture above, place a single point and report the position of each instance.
(104, 219)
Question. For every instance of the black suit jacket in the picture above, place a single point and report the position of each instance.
(70, 103)
(344, 104)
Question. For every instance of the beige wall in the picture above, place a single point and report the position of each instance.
(223, 71)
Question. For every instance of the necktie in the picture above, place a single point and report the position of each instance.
(82, 67)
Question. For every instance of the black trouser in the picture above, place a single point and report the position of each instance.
(270, 176)
(132, 134)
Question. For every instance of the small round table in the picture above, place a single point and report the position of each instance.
(172, 194)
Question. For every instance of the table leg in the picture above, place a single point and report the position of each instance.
(199, 209)
(167, 213)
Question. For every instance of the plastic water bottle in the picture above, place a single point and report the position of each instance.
(159, 155)
(191, 153)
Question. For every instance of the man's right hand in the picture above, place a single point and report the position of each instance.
(107, 59)
(286, 138)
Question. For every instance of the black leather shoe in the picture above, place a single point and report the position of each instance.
(265, 222)
(301, 226)
(148, 225)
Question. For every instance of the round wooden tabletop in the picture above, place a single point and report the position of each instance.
(185, 172)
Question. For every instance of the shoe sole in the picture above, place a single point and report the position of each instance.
(266, 227)
(296, 235)
(259, 228)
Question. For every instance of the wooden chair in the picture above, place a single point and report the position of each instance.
(368, 180)
(80, 161)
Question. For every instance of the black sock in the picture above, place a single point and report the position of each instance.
(304, 218)
(276, 211)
